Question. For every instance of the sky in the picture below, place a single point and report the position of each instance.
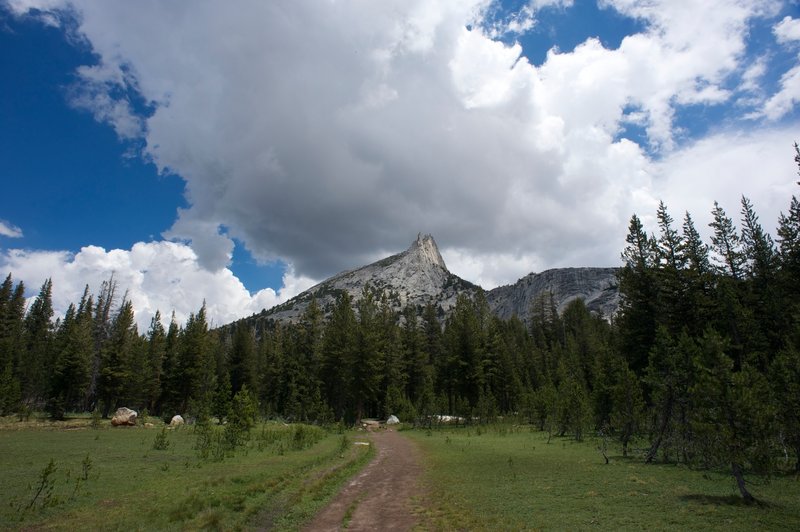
(239, 152)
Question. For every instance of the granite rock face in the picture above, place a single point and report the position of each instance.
(419, 276)
(597, 287)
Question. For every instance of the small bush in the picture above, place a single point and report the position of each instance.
(161, 441)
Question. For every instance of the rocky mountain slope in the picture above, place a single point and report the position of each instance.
(419, 276)
(596, 286)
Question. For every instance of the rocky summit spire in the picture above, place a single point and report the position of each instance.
(424, 248)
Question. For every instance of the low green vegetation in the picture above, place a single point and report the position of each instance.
(504, 477)
(67, 475)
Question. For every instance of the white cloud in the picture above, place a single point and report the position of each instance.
(724, 167)
(10, 230)
(787, 30)
(783, 101)
(319, 132)
(163, 276)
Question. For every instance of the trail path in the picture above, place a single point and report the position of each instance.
(380, 497)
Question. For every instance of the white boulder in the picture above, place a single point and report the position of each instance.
(124, 416)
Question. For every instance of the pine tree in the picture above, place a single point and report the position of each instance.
(12, 315)
(627, 411)
(784, 377)
(102, 332)
(35, 367)
(732, 414)
(116, 362)
(170, 397)
(669, 379)
(638, 296)
(789, 272)
(337, 350)
(243, 359)
(196, 366)
(699, 279)
(69, 380)
(727, 244)
(156, 352)
(364, 367)
(760, 297)
(672, 301)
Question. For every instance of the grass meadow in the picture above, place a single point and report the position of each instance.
(73, 477)
(509, 478)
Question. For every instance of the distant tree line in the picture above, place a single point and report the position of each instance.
(702, 362)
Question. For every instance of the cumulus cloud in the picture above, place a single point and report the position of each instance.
(787, 30)
(722, 168)
(320, 132)
(10, 230)
(163, 276)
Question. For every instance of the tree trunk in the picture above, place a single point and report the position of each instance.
(739, 476)
(651, 454)
(797, 463)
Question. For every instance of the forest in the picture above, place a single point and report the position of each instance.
(700, 366)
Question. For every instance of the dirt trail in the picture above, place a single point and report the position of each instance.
(378, 498)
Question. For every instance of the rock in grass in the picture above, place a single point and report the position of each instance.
(392, 420)
(124, 417)
(176, 420)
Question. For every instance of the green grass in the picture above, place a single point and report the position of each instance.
(279, 480)
(509, 478)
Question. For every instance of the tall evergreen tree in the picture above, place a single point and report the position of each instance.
(338, 349)
(12, 317)
(71, 373)
(638, 296)
(672, 301)
(36, 366)
(243, 359)
(726, 244)
(116, 362)
(197, 366)
(364, 368)
(170, 398)
(732, 414)
(156, 353)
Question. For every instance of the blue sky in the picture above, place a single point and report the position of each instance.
(242, 156)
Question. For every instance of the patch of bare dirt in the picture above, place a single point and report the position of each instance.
(380, 497)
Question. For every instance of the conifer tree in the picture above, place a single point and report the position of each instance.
(732, 414)
(156, 352)
(338, 349)
(116, 362)
(726, 244)
(784, 377)
(36, 365)
(638, 296)
(672, 300)
(170, 398)
(69, 379)
(627, 410)
(698, 277)
(12, 314)
(364, 367)
(196, 365)
(242, 360)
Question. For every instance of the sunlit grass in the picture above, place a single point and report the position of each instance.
(510, 478)
(279, 479)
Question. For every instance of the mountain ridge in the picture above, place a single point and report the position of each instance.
(419, 276)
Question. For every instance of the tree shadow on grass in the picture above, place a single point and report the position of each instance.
(722, 500)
